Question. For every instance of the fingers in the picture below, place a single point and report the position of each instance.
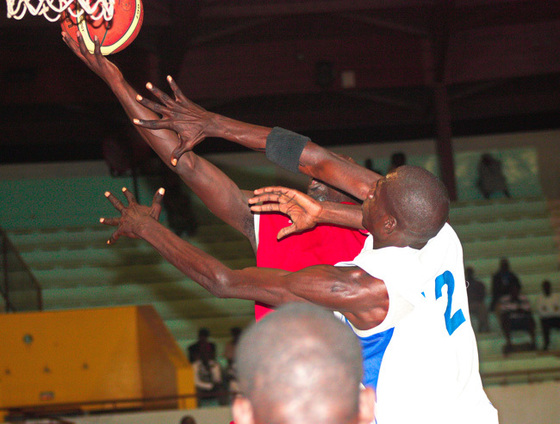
(153, 106)
(179, 96)
(180, 150)
(286, 231)
(81, 43)
(69, 41)
(113, 222)
(97, 48)
(114, 237)
(273, 189)
(129, 196)
(156, 124)
(156, 203)
(114, 201)
(159, 94)
(265, 197)
(272, 194)
(268, 207)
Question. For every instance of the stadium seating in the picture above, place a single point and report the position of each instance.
(68, 255)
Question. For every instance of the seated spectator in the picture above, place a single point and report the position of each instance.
(203, 344)
(515, 314)
(208, 379)
(548, 308)
(491, 178)
(502, 282)
(476, 291)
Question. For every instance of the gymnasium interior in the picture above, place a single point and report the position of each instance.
(94, 333)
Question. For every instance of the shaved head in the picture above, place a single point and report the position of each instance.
(418, 200)
(300, 365)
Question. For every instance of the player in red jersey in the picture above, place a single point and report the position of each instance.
(325, 244)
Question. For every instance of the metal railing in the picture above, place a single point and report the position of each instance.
(19, 289)
(57, 411)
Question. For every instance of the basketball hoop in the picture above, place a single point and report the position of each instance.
(51, 9)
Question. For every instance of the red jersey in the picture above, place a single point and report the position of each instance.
(324, 244)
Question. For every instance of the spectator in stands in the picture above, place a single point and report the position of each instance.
(208, 378)
(515, 314)
(203, 346)
(502, 282)
(491, 178)
(476, 291)
(301, 365)
(548, 308)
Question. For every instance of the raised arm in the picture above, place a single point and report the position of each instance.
(285, 148)
(350, 290)
(218, 192)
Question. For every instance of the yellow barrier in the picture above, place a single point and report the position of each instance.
(123, 356)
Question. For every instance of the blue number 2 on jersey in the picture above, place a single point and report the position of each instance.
(451, 322)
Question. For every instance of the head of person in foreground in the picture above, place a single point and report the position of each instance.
(301, 365)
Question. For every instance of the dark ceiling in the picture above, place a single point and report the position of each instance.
(338, 70)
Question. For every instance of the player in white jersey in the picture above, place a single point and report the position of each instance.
(425, 349)
(404, 212)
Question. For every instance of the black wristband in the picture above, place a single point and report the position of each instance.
(284, 148)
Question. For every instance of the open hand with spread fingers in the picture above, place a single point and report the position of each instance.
(98, 63)
(303, 210)
(189, 120)
(134, 216)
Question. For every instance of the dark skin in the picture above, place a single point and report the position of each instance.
(225, 199)
(360, 297)
(217, 191)
(193, 124)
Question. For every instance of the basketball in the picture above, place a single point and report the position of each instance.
(113, 35)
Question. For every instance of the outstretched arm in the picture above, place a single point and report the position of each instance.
(282, 147)
(218, 192)
(350, 290)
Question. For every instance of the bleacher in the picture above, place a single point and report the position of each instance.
(53, 223)
(77, 269)
(522, 231)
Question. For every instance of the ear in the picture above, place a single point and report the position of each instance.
(390, 224)
(367, 405)
(242, 411)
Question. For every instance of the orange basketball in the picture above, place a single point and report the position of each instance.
(114, 35)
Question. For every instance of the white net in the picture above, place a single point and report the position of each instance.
(51, 9)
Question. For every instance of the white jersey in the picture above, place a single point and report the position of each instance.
(422, 359)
